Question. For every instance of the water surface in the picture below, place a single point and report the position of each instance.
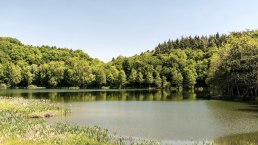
(153, 114)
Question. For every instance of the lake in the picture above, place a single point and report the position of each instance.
(154, 114)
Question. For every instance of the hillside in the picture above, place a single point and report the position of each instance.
(187, 62)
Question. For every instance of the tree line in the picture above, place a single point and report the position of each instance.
(23, 65)
(234, 68)
(188, 62)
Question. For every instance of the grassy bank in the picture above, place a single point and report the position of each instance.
(22, 122)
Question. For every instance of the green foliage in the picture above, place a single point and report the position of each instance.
(149, 78)
(187, 62)
(121, 78)
(132, 76)
(177, 78)
(111, 75)
(3, 86)
(139, 78)
(32, 87)
(183, 62)
(158, 81)
(100, 77)
(10, 40)
(52, 73)
(13, 73)
(189, 78)
(1, 73)
(236, 65)
(165, 84)
(78, 73)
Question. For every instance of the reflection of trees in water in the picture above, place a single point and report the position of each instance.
(189, 95)
(102, 96)
(125, 96)
(139, 95)
(176, 96)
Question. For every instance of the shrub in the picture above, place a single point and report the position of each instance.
(3, 86)
(32, 87)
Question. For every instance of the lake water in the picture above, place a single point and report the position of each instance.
(154, 114)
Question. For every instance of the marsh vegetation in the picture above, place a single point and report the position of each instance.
(18, 126)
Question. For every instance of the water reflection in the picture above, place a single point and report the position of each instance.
(111, 95)
(155, 114)
(238, 139)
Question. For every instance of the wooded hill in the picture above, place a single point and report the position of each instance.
(227, 62)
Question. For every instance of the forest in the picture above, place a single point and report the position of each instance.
(225, 62)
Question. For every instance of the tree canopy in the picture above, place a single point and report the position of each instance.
(188, 62)
(236, 65)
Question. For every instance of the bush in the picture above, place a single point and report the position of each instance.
(32, 87)
(3, 86)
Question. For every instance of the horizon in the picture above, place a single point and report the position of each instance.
(105, 30)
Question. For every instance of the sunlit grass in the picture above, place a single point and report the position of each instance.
(31, 108)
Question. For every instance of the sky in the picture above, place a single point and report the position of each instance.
(108, 28)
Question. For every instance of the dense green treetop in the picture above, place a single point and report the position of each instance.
(236, 65)
(188, 62)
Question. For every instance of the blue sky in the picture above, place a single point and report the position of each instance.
(108, 28)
